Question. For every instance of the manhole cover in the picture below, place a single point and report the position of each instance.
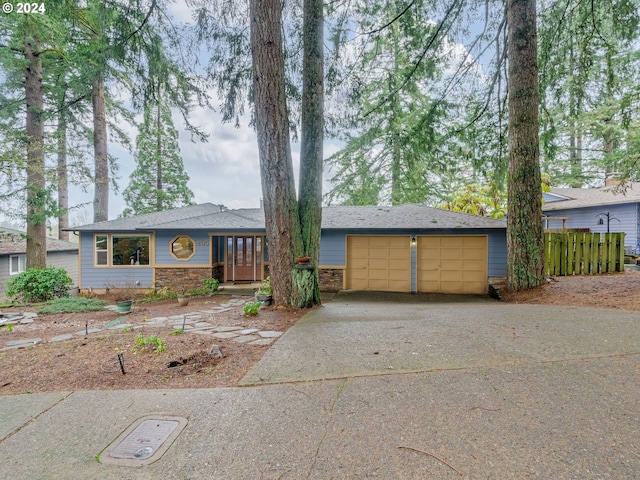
(144, 441)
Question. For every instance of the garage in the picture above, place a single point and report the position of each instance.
(452, 263)
(379, 262)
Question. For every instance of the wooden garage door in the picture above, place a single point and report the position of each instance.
(452, 264)
(379, 263)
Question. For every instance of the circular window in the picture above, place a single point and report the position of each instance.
(182, 247)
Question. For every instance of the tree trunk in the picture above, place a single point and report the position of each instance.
(159, 195)
(63, 182)
(525, 264)
(311, 152)
(36, 192)
(101, 158)
(276, 167)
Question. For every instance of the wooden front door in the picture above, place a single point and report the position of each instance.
(244, 258)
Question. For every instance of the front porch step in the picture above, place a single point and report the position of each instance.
(245, 289)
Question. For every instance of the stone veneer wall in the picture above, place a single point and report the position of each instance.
(178, 279)
(331, 279)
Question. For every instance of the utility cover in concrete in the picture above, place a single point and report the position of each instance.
(144, 441)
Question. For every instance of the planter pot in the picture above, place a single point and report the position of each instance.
(303, 260)
(183, 300)
(265, 300)
(124, 306)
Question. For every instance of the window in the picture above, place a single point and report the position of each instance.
(125, 250)
(17, 264)
(182, 247)
(102, 251)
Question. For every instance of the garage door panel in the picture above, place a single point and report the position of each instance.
(452, 264)
(379, 262)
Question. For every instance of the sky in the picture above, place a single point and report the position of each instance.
(225, 170)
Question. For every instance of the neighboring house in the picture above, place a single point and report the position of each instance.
(409, 248)
(598, 209)
(13, 255)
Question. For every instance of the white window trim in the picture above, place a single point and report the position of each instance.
(24, 264)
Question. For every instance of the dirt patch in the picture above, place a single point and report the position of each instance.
(618, 290)
(90, 362)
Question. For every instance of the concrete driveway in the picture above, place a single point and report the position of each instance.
(418, 387)
(364, 334)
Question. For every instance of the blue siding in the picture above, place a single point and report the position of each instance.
(626, 215)
(101, 277)
(333, 248)
(163, 247)
(333, 245)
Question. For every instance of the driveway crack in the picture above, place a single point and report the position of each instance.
(341, 389)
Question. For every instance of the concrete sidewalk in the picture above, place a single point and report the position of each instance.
(418, 387)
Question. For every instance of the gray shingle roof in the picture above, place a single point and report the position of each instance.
(591, 197)
(13, 242)
(150, 220)
(408, 216)
(208, 217)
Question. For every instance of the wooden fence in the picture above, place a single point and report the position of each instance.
(583, 253)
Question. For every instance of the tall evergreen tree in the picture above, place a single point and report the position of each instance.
(159, 181)
(525, 251)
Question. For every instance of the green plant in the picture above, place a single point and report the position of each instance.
(127, 329)
(265, 287)
(212, 284)
(152, 342)
(251, 308)
(72, 305)
(177, 331)
(153, 295)
(8, 328)
(40, 284)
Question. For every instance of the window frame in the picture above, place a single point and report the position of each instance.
(182, 259)
(109, 250)
(19, 256)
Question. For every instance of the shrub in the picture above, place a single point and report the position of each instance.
(40, 284)
(251, 308)
(72, 305)
(212, 284)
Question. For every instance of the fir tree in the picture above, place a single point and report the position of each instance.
(159, 181)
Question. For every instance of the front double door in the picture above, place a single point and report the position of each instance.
(243, 251)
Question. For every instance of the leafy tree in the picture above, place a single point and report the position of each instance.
(159, 181)
(392, 140)
(589, 62)
(28, 42)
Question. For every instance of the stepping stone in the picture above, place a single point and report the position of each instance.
(227, 329)
(26, 320)
(263, 341)
(122, 326)
(245, 339)
(91, 330)
(269, 334)
(157, 320)
(202, 325)
(60, 338)
(248, 331)
(178, 326)
(224, 335)
(23, 343)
